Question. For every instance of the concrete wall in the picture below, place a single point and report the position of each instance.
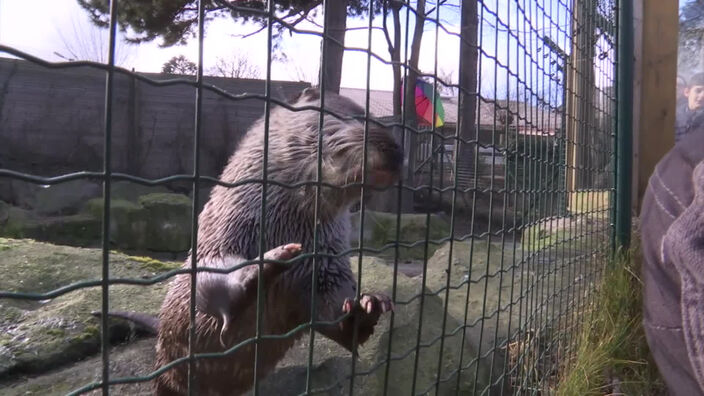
(52, 122)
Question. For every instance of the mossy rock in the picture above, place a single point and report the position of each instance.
(118, 207)
(36, 336)
(17, 222)
(489, 275)
(65, 198)
(128, 223)
(157, 222)
(130, 191)
(4, 212)
(499, 287)
(165, 200)
(77, 230)
(380, 232)
(168, 221)
(332, 364)
(126, 360)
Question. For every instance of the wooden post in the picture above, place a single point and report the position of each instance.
(580, 95)
(656, 26)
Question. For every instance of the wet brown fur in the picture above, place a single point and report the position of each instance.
(229, 230)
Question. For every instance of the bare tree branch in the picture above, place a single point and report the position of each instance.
(245, 35)
(86, 41)
(235, 66)
(364, 28)
(434, 7)
(303, 15)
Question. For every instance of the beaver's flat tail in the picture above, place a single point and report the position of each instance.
(145, 322)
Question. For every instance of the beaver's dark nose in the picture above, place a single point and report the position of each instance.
(394, 156)
(390, 150)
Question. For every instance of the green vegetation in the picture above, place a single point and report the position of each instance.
(5, 244)
(155, 265)
(612, 356)
(590, 202)
(569, 234)
(380, 231)
(61, 330)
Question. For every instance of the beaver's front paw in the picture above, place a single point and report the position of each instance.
(365, 313)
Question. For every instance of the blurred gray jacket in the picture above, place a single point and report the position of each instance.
(672, 241)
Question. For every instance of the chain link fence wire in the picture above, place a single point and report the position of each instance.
(520, 177)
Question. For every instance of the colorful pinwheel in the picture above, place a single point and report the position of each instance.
(424, 109)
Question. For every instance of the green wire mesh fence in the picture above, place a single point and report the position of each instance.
(489, 244)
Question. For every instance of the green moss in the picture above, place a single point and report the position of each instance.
(567, 233)
(76, 230)
(152, 264)
(61, 330)
(57, 332)
(9, 314)
(169, 199)
(130, 191)
(117, 207)
(128, 222)
(168, 222)
(380, 231)
(89, 333)
(158, 222)
(19, 223)
(6, 244)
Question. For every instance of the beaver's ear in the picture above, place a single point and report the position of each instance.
(295, 98)
(307, 95)
(311, 93)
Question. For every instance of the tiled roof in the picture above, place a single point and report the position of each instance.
(526, 117)
(381, 103)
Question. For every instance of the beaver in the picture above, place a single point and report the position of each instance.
(229, 230)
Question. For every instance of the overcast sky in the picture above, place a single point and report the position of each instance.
(41, 28)
(44, 28)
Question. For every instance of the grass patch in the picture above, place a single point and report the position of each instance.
(589, 201)
(5, 244)
(537, 238)
(571, 234)
(152, 264)
(612, 356)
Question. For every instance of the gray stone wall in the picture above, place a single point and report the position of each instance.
(52, 122)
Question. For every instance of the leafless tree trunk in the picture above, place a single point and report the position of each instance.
(394, 48)
(410, 87)
(468, 86)
(395, 51)
(336, 21)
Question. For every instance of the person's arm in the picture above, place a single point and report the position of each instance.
(683, 246)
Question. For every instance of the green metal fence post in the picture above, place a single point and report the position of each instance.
(624, 130)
